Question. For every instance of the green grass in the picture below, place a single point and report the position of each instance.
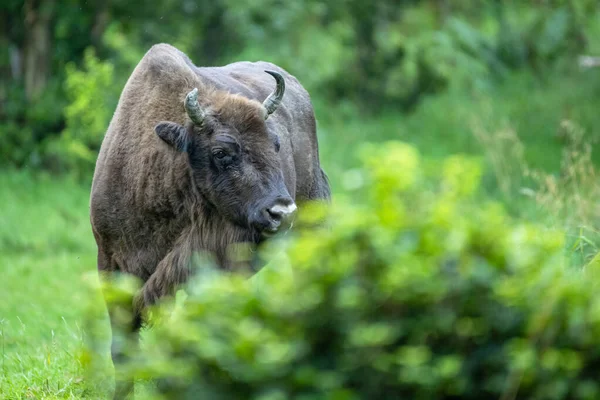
(47, 252)
(443, 124)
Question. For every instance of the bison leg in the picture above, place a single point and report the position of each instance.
(125, 322)
(173, 270)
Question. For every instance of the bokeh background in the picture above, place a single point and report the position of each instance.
(513, 85)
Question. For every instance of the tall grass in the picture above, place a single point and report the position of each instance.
(534, 108)
(566, 198)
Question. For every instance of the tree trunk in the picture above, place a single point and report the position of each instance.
(37, 47)
(100, 22)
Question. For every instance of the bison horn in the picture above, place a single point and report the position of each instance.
(274, 99)
(193, 109)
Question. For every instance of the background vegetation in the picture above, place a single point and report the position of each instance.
(497, 81)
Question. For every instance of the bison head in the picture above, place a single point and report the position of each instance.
(234, 158)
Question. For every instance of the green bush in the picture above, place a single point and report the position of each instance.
(20, 143)
(93, 97)
(418, 291)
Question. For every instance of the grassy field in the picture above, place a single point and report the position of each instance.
(531, 107)
(46, 249)
(47, 252)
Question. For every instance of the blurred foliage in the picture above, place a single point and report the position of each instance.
(92, 96)
(351, 53)
(420, 291)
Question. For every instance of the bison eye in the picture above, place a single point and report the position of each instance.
(219, 154)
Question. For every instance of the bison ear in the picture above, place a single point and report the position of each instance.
(173, 134)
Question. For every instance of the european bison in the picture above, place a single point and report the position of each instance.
(197, 159)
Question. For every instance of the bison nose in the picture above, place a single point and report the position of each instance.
(281, 214)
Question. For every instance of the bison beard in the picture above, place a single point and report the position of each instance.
(197, 159)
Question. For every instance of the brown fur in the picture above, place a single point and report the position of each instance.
(148, 212)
